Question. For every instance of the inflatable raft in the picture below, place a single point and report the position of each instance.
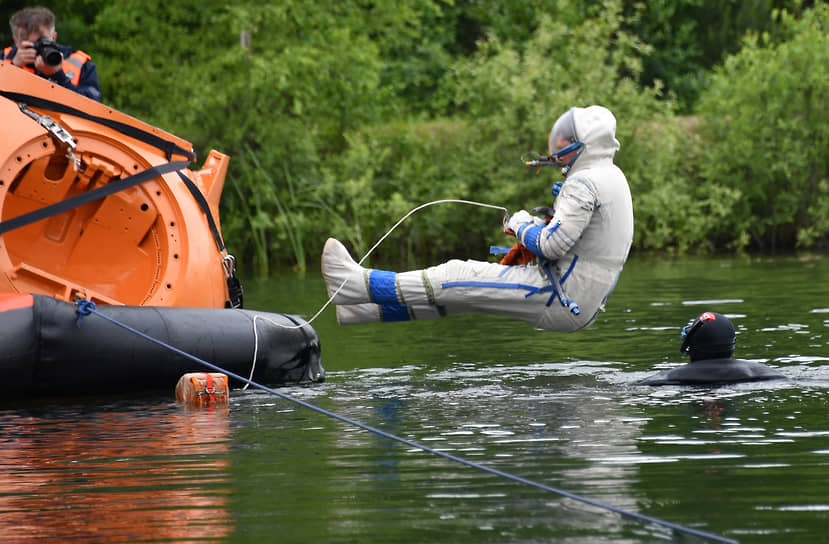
(98, 206)
(48, 349)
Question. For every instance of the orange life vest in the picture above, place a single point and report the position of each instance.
(71, 65)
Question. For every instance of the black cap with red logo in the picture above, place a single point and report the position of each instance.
(709, 336)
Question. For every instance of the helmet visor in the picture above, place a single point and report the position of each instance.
(563, 132)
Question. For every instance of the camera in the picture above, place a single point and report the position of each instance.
(48, 51)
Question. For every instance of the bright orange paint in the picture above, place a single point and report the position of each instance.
(15, 301)
(147, 245)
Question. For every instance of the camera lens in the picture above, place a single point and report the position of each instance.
(49, 51)
(53, 58)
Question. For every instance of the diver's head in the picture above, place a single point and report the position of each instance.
(709, 336)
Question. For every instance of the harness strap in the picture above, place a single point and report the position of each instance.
(90, 196)
(202, 202)
(558, 291)
(169, 148)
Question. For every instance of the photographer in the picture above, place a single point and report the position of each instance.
(36, 51)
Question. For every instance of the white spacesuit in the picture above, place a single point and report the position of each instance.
(580, 251)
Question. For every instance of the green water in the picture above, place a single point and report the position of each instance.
(747, 462)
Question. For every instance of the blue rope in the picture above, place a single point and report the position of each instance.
(86, 307)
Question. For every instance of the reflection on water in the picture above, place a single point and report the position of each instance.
(746, 461)
(113, 474)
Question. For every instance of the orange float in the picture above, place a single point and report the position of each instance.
(202, 389)
(153, 243)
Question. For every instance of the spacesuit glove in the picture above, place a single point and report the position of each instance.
(518, 219)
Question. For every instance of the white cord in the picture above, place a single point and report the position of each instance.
(369, 252)
(380, 241)
(255, 349)
(481, 204)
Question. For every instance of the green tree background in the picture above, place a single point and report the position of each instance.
(341, 120)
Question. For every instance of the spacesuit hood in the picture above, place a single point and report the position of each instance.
(596, 128)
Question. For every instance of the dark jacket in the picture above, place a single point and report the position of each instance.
(83, 80)
(714, 371)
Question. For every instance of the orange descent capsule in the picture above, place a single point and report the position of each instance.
(150, 244)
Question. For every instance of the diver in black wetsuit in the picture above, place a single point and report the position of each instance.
(710, 342)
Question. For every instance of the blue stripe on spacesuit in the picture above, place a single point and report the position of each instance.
(382, 287)
(494, 285)
(570, 268)
(562, 241)
(590, 186)
(395, 312)
(558, 238)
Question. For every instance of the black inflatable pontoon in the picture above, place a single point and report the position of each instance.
(46, 350)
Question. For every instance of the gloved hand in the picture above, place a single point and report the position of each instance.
(518, 219)
(557, 187)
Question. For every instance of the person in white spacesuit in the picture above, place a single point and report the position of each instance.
(580, 249)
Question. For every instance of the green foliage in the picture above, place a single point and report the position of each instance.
(504, 101)
(388, 171)
(510, 99)
(767, 132)
(275, 86)
(341, 120)
(690, 37)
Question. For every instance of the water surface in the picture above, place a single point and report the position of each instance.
(748, 462)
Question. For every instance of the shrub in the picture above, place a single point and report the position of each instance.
(766, 132)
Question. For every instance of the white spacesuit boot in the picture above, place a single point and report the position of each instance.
(346, 281)
(364, 295)
(356, 314)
